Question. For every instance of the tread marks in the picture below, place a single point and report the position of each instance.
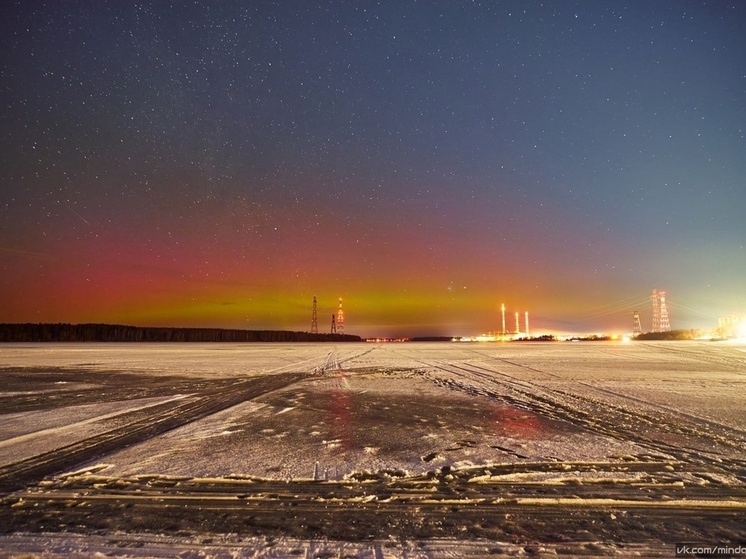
(158, 420)
(610, 420)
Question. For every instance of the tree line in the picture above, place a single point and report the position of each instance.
(119, 333)
(671, 335)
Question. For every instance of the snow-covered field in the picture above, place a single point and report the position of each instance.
(467, 449)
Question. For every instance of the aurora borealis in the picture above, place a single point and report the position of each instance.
(220, 163)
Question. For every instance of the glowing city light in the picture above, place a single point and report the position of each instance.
(742, 329)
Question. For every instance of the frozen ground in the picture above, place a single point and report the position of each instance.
(362, 450)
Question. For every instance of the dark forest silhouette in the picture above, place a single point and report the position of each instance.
(118, 333)
(671, 335)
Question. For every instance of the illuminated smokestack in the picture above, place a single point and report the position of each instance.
(502, 309)
(517, 323)
(526, 323)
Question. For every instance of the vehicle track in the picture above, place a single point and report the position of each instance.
(623, 424)
(141, 425)
(333, 362)
(725, 357)
(738, 436)
(600, 417)
(433, 505)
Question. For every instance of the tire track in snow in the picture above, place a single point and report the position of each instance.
(603, 418)
(473, 504)
(731, 436)
(332, 361)
(724, 357)
(144, 424)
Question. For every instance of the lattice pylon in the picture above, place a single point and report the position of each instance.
(334, 325)
(636, 327)
(314, 318)
(661, 322)
(665, 323)
(340, 319)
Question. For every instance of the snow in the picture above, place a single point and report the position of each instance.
(390, 406)
(613, 420)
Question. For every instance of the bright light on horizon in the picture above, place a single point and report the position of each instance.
(742, 329)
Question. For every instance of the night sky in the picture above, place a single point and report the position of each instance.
(220, 163)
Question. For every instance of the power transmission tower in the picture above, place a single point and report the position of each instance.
(636, 327)
(665, 323)
(334, 326)
(340, 318)
(661, 322)
(314, 318)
